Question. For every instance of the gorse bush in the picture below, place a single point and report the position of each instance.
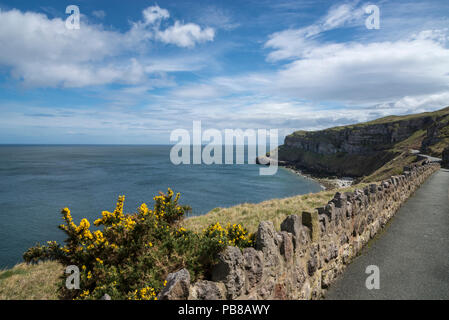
(133, 253)
(233, 235)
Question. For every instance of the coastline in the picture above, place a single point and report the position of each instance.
(326, 183)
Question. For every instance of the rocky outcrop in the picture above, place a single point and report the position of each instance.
(311, 249)
(359, 150)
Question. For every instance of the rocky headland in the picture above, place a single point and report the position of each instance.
(366, 152)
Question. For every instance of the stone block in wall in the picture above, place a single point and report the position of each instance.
(312, 221)
(280, 291)
(303, 241)
(292, 224)
(356, 246)
(298, 277)
(374, 228)
(361, 225)
(344, 238)
(347, 254)
(253, 264)
(301, 234)
(324, 222)
(287, 249)
(369, 218)
(349, 196)
(207, 290)
(230, 271)
(306, 291)
(358, 226)
(317, 291)
(313, 261)
(366, 190)
(329, 210)
(340, 200)
(349, 209)
(329, 251)
(178, 286)
(329, 274)
(267, 241)
(265, 291)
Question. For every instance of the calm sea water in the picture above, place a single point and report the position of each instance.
(37, 181)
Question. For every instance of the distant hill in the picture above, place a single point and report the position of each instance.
(370, 150)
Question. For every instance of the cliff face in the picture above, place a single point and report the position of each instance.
(359, 150)
(445, 162)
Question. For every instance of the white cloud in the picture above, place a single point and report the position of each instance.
(293, 43)
(42, 52)
(419, 103)
(179, 34)
(340, 15)
(218, 18)
(154, 14)
(100, 14)
(437, 35)
(357, 73)
(198, 91)
(185, 35)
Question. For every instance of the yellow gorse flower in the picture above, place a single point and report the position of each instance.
(147, 293)
(100, 252)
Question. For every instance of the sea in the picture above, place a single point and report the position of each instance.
(36, 181)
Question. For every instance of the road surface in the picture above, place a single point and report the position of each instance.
(412, 253)
(425, 156)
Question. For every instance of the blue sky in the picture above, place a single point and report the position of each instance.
(136, 70)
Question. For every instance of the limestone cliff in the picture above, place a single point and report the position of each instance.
(362, 149)
(445, 162)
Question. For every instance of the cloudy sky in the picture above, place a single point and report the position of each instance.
(136, 70)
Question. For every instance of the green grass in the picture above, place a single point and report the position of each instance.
(275, 210)
(392, 119)
(31, 282)
(9, 273)
(392, 168)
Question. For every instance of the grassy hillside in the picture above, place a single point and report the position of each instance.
(30, 282)
(395, 119)
(275, 210)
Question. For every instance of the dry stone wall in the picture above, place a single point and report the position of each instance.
(309, 252)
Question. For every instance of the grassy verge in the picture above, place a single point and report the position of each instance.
(275, 210)
(30, 282)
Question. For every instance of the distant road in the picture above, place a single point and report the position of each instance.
(431, 159)
(412, 254)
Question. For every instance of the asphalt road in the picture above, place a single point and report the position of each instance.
(412, 253)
